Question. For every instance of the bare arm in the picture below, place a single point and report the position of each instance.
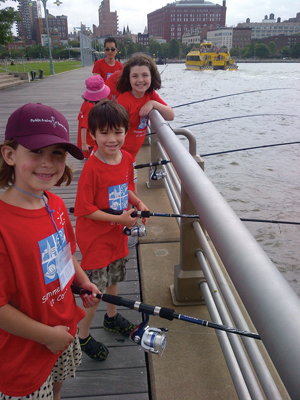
(84, 145)
(17, 323)
(165, 110)
(136, 202)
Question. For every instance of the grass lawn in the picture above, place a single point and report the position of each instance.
(60, 66)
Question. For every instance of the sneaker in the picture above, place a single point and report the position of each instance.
(95, 350)
(119, 325)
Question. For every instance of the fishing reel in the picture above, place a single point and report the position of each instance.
(155, 176)
(152, 340)
(136, 230)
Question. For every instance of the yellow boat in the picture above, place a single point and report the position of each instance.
(208, 58)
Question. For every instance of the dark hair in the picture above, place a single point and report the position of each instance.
(108, 113)
(7, 172)
(109, 40)
(123, 84)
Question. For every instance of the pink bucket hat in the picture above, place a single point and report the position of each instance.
(96, 89)
(35, 126)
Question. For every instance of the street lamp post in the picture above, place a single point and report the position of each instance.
(49, 44)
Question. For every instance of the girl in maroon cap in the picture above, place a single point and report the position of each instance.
(39, 346)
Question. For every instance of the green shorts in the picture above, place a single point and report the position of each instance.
(105, 277)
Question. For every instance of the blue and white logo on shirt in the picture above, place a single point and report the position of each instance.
(49, 248)
(143, 122)
(118, 196)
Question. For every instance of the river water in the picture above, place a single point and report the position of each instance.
(261, 183)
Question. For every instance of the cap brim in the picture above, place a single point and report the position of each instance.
(39, 141)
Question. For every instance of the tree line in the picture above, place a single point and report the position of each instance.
(262, 50)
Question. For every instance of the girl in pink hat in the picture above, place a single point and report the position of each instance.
(96, 90)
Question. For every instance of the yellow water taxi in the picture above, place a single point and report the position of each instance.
(209, 58)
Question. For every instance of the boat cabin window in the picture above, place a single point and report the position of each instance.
(192, 58)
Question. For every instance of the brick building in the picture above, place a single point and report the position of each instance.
(241, 37)
(174, 19)
(26, 28)
(108, 21)
(58, 28)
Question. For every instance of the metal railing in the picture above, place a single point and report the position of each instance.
(272, 305)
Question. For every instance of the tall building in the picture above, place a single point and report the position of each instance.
(173, 20)
(26, 28)
(272, 27)
(58, 28)
(108, 21)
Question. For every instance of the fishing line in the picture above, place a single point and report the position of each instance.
(228, 95)
(248, 148)
(240, 116)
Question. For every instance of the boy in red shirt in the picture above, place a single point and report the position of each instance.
(108, 65)
(106, 182)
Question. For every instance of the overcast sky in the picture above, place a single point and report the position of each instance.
(134, 12)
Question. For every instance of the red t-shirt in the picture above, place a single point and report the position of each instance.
(102, 68)
(102, 186)
(83, 123)
(138, 126)
(112, 84)
(29, 282)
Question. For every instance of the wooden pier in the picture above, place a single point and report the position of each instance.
(192, 366)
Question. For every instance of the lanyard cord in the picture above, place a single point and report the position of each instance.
(46, 205)
(104, 158)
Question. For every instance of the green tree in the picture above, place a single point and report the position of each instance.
(121, 49)
(262, 50)
(235, 51)
(154, 47)
(295, 51)
(273, 48)
(174, 51)
(285, 51)
(130, 49)
(8, 16)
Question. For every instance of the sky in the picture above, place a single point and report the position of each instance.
(134, 12)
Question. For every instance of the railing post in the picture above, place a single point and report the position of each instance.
(188, 274)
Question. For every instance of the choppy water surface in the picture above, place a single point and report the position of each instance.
(262, 183)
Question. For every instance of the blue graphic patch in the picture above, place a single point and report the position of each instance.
(49, 248)
(118, 196)
(143, 123)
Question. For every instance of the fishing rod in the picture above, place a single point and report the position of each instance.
(152, 164)
(154, 340)
(147, 214)
(240, 116)
(228, 95)
(248, 148)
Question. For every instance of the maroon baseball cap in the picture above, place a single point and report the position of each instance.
(36, 125)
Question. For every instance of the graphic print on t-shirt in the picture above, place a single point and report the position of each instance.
(118, 196)
(49, 248)
(143, 122)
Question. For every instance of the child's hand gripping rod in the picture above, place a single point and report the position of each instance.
(163, 312)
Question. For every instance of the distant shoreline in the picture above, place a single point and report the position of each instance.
(241, 61)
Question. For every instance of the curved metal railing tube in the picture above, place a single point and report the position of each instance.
(260, 367)
(235, 342)
(235, 372)
(271, 303)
